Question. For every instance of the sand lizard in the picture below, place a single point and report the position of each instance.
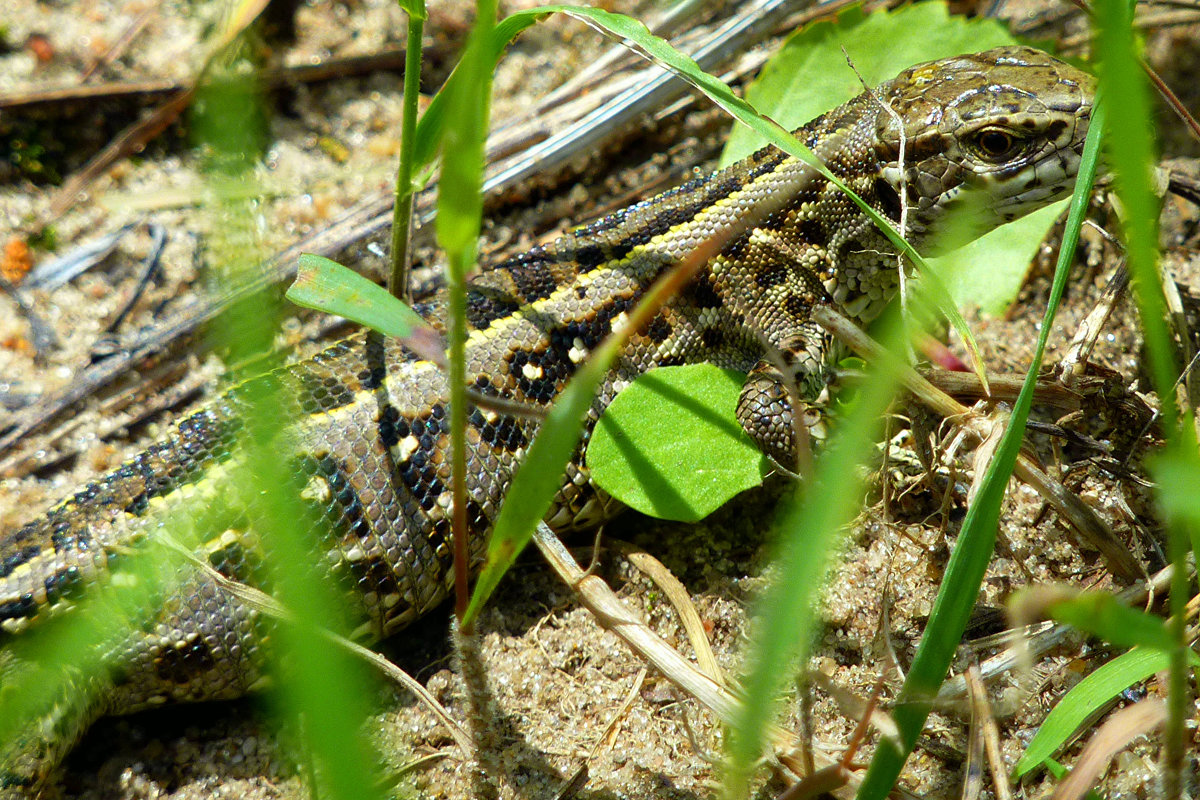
(999, 133)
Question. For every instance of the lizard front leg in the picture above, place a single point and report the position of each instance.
(767, 410)
(788, 264)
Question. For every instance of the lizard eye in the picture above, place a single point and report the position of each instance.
(996, 144)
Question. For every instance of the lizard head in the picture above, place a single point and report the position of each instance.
(989, 137)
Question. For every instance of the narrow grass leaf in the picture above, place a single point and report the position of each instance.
(538, 478)
(1086, 699)
(460, 204)
(1103, 616)
(328, 286)
(669, 444)
(972, 553)
(432, 123)
(460, 211)
(809, 526)
(402, 203)
(321, 684)
(1131, 155)
(1177, 473)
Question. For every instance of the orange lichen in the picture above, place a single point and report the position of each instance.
(16, 260)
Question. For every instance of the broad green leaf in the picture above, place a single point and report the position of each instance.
(988, 273)
(669, 445)
(1086, 698)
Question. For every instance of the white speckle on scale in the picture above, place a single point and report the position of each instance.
(406, 447)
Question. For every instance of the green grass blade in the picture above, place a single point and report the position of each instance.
(1177, 473)
(1131, 154)
(460, 211)
(1086, 699)
(432, 123)
(460, 204)
(1102, 615)
(809, 526)
(402, 204)
(972, 553)
(538, 478)
(327, 286)
(325, 688)
(321, 685)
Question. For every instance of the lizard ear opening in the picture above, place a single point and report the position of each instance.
(889, 199)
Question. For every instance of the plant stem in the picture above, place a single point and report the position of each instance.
(398, 283)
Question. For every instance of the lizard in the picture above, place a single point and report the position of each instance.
(997, 134)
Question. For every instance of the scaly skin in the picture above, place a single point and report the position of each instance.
(366, 440)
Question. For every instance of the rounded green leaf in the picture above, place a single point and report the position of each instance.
(670, 446)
